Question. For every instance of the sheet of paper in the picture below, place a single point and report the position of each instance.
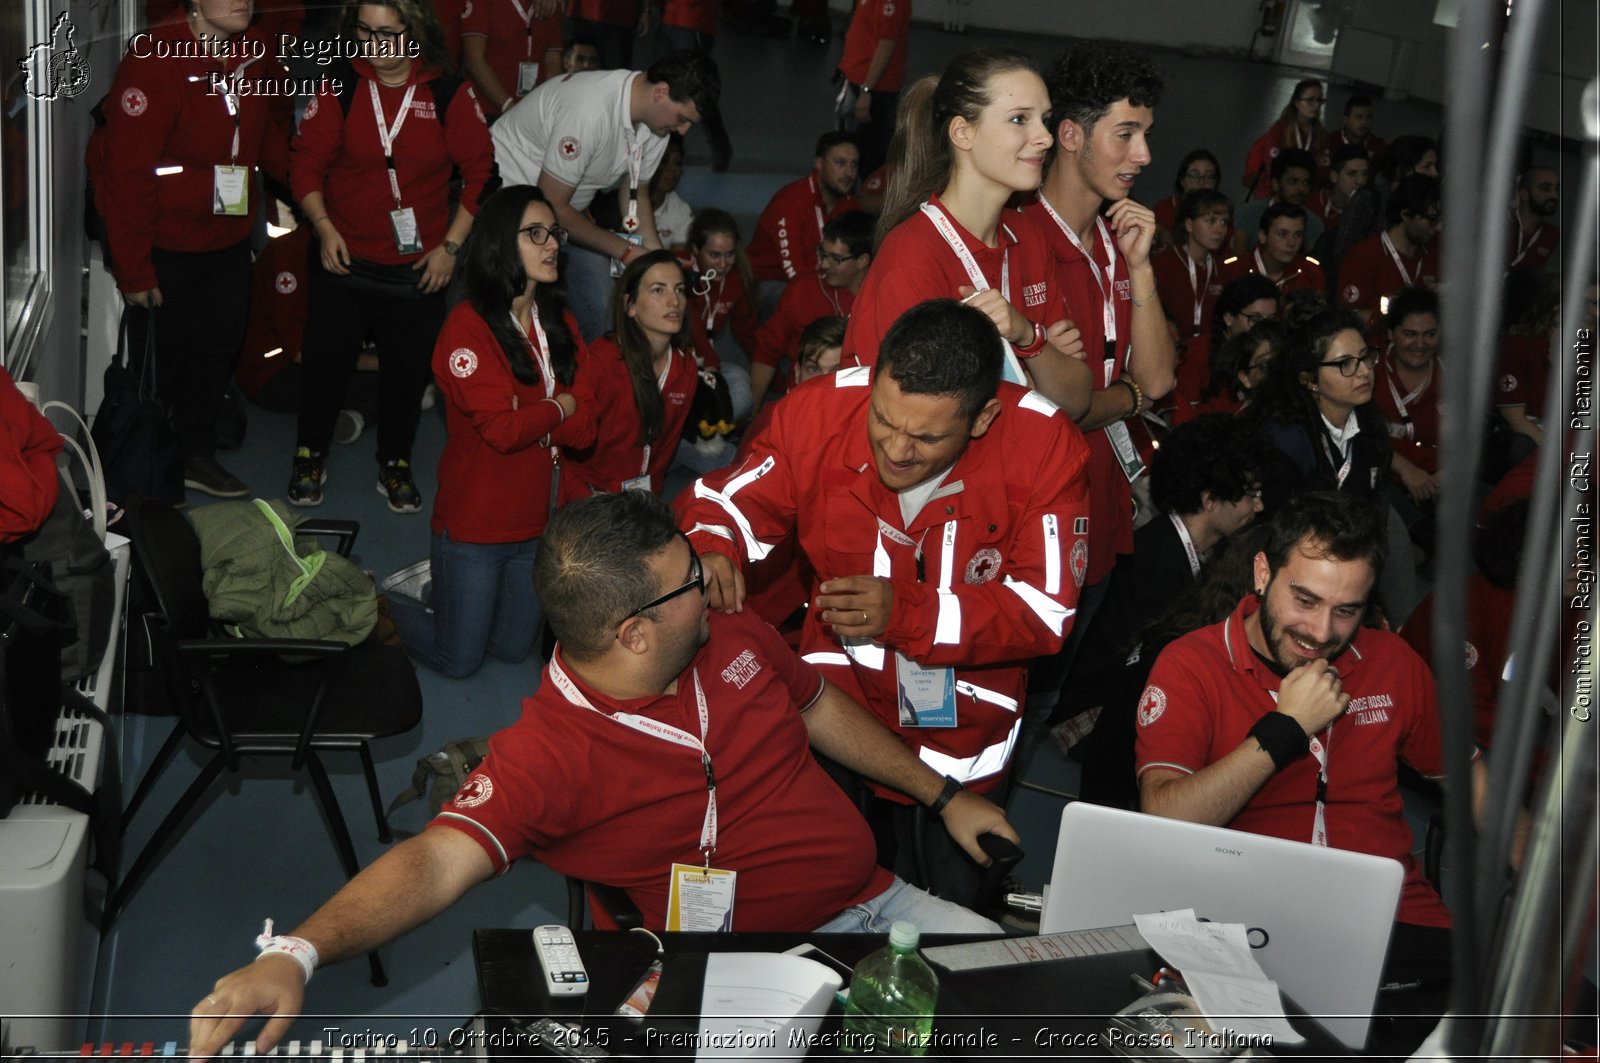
(1225, 979)
(762, 1004)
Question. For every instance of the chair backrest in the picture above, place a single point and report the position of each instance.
(169, 556)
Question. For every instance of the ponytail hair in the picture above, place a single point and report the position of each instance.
(919, 154)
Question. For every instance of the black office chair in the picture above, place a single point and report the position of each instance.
(612, 900)
(241, 697)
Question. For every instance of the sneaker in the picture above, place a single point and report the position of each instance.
(305, 483)
(348, 426)
(395, 483)
(207, 475)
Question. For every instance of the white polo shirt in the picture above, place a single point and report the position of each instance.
(577, 128)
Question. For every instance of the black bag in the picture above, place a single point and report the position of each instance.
(132, 432)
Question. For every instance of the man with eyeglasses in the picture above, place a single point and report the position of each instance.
(791, 223)
(1279, 256)
(581, 134)
(667, 752)
(1404, 255)
(842, 260)
(946, 516)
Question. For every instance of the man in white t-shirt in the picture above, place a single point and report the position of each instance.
(581, 134)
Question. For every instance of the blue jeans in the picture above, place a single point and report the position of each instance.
(589, 288)
(481, 602)
(904, 901)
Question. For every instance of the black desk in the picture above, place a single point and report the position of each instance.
(1054, 1009)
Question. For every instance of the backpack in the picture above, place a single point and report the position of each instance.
(438, 776)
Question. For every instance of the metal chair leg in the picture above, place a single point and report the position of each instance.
(341, 841)
(147, 783)
(151, 853)
(372, 791)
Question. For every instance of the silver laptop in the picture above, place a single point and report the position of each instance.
(1320, 918)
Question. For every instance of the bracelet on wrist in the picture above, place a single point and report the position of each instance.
(1033, 345)
(298, 949)
(1133, 389)
(1281, 738)
(951, 788)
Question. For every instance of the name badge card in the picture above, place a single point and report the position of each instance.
(700, 898)
(638, 483)
(927, 696)
(1127, 454)
(230, 190)
(527, 76)
(407, 240)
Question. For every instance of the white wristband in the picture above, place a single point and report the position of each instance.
(300, 950)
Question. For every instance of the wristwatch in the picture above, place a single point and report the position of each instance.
(451, 247)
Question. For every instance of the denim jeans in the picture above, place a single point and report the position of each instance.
(589, 288)
(904, 901)
(481, 602)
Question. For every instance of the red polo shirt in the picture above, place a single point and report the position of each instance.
(874, 21)
(789, 230)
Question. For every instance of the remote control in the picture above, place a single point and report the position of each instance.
(564, 974)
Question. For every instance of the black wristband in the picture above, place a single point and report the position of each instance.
(1282, 738)
(951, 788)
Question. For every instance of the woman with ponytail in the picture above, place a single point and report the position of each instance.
(506, 363)
(965, 143)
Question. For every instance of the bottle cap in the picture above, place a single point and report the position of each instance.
(904, 935)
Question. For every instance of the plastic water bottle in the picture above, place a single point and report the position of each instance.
(892, 994)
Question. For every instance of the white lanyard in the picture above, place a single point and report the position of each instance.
(1406, 279)
(526, 14)
(230, 100)
(1401, 402)
(387, 134)
(1303, 143)
(541, 348)
(713, 304)
(1261, 268)
(635, 162)
(816, 194)
(665, 732)
(1107, 291)
(1329, 207)
(1349, 456)
(1320, 750)
(947, 229)
(1194, 284)
(832, 296)
(1522, 248)
(1188, 544)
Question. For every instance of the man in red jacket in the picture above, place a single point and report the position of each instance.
(791, 225)
(943, 562)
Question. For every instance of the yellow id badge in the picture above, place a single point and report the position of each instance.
(230, 190)
(527, 76)
(407, 240)
(700, 898)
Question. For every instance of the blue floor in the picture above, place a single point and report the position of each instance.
(263, 851)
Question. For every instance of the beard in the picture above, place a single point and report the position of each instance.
(1274, 634)
(1544, 208)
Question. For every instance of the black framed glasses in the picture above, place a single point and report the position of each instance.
(1351, 364)
(697, 581)
(828, 258)
(382, 36)
(541, 234)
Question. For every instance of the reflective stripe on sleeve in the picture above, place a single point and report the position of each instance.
(993, 759)
(1052, 555)
(755, 549)
(1046, 608)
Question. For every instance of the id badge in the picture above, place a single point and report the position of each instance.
(230, 190)
(527, 76)
(1127, 454)
(700, 898)
(407, 240)
(638, 483)
(927, 696)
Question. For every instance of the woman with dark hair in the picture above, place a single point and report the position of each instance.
(643, 377)
(1244, 303)
(723, 301)
(1298, 126)
(371, 168)
(1317, 407)
(1198, 172)
(173, 170)
(506, 361)
(1238, 368)
(966, 142)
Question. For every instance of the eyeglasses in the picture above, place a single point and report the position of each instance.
(827, 258)
(541, 234)
(1200, 175)
(1350, 364)
(383, 36)
(697, 581)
